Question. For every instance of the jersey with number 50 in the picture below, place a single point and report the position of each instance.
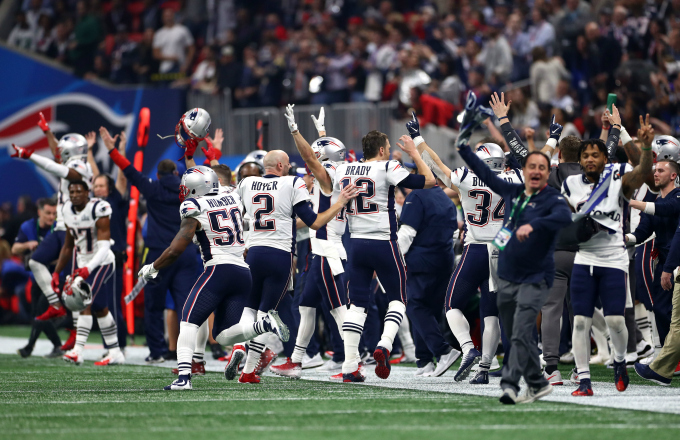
(220, 233)
(483, 208)
(269, 201)
(371, 215)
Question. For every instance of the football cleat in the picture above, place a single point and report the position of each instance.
(509, 397)
(235, 358)
(25, 352)
(52, 313)
(574, 377)
(584, 388)
(312, 362)
(197, 368)
(170, 355)
(73, 358)
(469, 360)
(677, 370)
(154, 360)
(357, 376)
(425, 371)
(277, 326)
(403, 359)
(533, 395)
(644, 349)
(645, 372)
(55, 353)
(567, 358)
(481, 378)
(621, 376)
(183, 382)
(266, 359)
(555, 378)
(288, 369)
(445, 361)
(217, 351)
(383, 367)
(630, 359)
(331, 365)
(115, 357)
(249, 378)
(71, 341)
(336, 377)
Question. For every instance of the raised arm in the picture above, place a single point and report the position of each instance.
(410, 148)
(47, 164)
(306, 151)
(428, 155)
(136, 178)
(482, 171)
(614, 132)
(51, 138)
(554, 133)
(91, 139)
(121, 180)
(642, 172)
(500, 109)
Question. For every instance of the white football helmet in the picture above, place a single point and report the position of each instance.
(195, 124)
(198, 181)
(77, 294)
(329, 148)
(492, 155)
(666, 148)
(72, 146)
(256, 157)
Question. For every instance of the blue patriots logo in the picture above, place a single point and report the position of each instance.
(193, 115)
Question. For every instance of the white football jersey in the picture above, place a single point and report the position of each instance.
(483, 209)
(83, 228)
(334, 230)
(607, 247)
(270, 200)
(371, 215)
(84, 169)
(220, 234)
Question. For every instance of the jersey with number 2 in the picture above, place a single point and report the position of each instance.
(483, 208)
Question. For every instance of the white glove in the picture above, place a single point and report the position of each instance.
(318, 123)
(290, 117)
(148, 272)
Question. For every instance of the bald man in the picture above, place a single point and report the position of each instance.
(274, 201)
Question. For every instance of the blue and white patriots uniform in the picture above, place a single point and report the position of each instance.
(83, 228)
(333, 231)
(220, 234)
(84, 169)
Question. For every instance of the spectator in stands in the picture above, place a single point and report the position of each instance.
(228, 70)
(123, 58)
(496, 56)
(541, 33)
(58, 48)
(117, 16)
(246, 93)
(88, 34)
(524, 112)
(43, 35)
(545, 74)
(337, 69)
(150, 15)
(584, 65)
(173, 45)
(144, 63)
(609, 54)
(562, 98)
(34, 12)
(22, 35)
(204, 77)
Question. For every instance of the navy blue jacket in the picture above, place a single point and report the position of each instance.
(432, 214)
(162, 202)
(664, 223)
(119, 208)
(547, 212)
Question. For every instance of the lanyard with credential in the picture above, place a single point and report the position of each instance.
(503, 237)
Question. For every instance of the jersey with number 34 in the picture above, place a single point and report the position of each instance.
(220, 232)
(483, 208)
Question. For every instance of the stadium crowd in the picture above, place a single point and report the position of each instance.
(571, 53)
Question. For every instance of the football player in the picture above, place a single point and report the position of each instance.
(87, 221)
(274, 201)
(372, 223)
(601, 264)
(324, 278)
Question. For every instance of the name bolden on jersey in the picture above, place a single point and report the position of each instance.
(476, 181)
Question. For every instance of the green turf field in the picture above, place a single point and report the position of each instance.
(48, 399)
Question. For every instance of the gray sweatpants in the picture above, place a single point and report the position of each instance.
(518, 307)
(554, 306)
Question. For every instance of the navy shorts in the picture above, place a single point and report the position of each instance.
(644, 276)
(48, 250)
(321, 285)
(382, 257)
(472, 273)
(102, 281)
(606, 283)
(271, 270)
(223, 289)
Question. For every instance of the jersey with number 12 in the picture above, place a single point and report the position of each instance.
(371, 214)
(269, 200)
(483, 208)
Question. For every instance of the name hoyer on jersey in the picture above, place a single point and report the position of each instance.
(264, 186)
(218, 203)
(476, 181)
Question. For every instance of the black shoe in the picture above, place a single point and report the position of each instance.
(497, 373)
(55, 353)
(217, 351)
(25, 352)
(170, 355)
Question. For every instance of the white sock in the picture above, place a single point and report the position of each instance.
(601, 339)
(186, 342)
(74, 316)
(242, 332)
(256, 347)
(352, 328)
(490, 339)
(43, 278)
(393, 319)
(619, 335)
(305, 332)
(338, 315)
(406, 339)
(460, 328)
(107, 325)
(655, 332)
(201, 340)
(581, 345)
(642, 321)
(84, 326)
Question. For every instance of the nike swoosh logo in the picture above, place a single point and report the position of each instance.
(556, 130)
